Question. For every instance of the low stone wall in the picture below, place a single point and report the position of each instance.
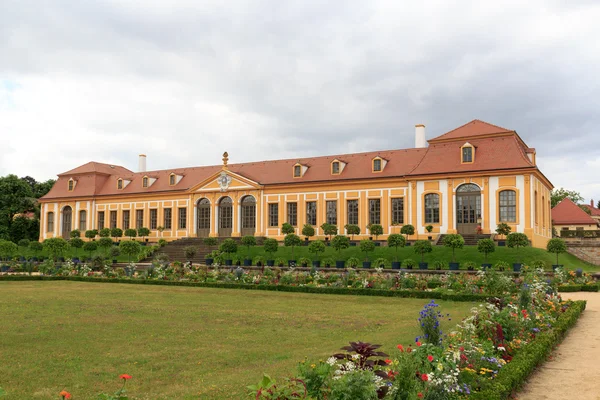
(585, 249)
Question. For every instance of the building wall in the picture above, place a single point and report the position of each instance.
(532, 206)
(575, 227)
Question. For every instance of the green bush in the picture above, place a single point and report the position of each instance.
(329, 230)
(292, 240)
(366, 246)
(130, 233)
(421, 247)
(270, 246)
(316, 247)
(75, 233)
(143, 232)
(407, 230)
(556, 246)
(308, 230)
(340, 243)
(376, 230)
(105, 232)
(454, 241)
(129, 248)
(56, 247)
(287, 228)
(486, 246)
(116, 233)
(396, 240)
(352, 230)
(229, 247)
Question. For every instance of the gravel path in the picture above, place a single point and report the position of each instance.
(574, 370)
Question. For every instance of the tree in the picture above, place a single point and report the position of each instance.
(130, 248)
(422, 247)
(486, 246)
(130, 233)
(90, 247)
(407, 230)
(340, 243)
(210, 242)
(352, 230)
(287, 228)
(56, 247)
(366, 246)
(7, 249)
(249, 241)
(23, 227)
(160, 229)
(190, 252)
(503, 229)
(516, 240)
(91, 234)
(36, 247)
(116, 233)
(105, 243)
(229, 247)
(308, 230)
(376, 230)
(558, 195)
(556, 246)
(329, 229)
(104, 232)
(396, 240)
(316, 247)
(454, 241)
(270, 246)
(76, 243)
(75, 233)
(292, 240)
(143, 232)
(16, 197)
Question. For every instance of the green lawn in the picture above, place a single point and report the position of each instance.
(180, 343)
(468, 253)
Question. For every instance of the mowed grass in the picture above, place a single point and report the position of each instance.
(181, 343)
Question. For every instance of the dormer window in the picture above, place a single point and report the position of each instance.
(71, 185)
(119, 184)
(335, 168)
(378, 164)
(297, 171)
(172, 179)
(145, 182)
(467, 153)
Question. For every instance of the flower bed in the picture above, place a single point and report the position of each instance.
(487, 356)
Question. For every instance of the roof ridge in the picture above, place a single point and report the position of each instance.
(445, 135)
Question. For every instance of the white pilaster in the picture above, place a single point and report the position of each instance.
(492, 188)
(444, 205)
(521, 188)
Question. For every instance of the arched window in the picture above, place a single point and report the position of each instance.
(468, 187)
(508, 206)
(50, 223)
(432, 208)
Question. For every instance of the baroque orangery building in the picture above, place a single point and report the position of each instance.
(475, 176)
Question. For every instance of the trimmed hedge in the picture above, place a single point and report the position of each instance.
(578, 288)
(276, 288)
(512, 376)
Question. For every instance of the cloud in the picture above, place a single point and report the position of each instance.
(184, 81)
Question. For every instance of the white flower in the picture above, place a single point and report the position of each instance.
(331, 361)
(500, 348)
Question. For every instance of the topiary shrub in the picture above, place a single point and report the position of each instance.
(396, 240)
(556, 246)
(454, 241)
(422, 247)
(486, 246)
(407, 230)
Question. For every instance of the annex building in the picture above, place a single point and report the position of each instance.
(477, 175)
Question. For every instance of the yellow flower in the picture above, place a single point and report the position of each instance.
(313, 366)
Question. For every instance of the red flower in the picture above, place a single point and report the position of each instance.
(418, 344)
(420, 395)
(430, 358)
(400, 347)
(462, 348)
(65, 395)
(388, 361)
(124, 376)
(424, 377)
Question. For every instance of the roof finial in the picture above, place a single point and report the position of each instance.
(225, 160)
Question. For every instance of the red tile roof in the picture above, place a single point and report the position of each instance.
(568, 213)
(491, 153)
(593, 210)
(471, 129)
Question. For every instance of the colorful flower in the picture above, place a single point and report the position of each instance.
(125, 376)
(418, 344)
(65, 395)
(424, 377)
(430, 358)
(400, 347)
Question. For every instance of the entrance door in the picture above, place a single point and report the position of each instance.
(248, 216)
(66, 222)
(468, 209)
(203, 218)
(225, 217)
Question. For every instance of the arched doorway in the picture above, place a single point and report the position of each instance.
(67, 218)
(203, 218)
(225, 217)
(468, 209)
(248, 216)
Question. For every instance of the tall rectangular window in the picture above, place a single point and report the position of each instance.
(125, 219)
(167, 218)
(375, 211)
(397, 211)
(50, 223)
(182, 218)
(292, 214)
(100, 220)
(352, 207)
(273, 214)
(113, 219)
(139, 219)
(508, 206)
(153, 218)
(377, 165)
(331, 209)
(311, 212)
(82, 220)
(467, 154)
(432, 208)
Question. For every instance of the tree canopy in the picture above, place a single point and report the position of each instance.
(558, 195)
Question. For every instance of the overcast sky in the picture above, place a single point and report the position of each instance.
(185, 80)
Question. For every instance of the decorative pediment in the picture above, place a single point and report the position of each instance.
(225, 181)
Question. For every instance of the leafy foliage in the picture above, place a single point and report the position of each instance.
(116, 233)
(56, 247)
(329, 229)
(143, 232)
(316, 247)
(292, 240)
(503, 229)
(75, 233)
(308, 230)
(454, 241)
(228, 246)
(130, 233)
(422, 246)
(486, 246)
(340, 242)
(558, 195)
(7, 249)
(396, 240)
(407, 230)
(104, 233)
(270, 246)
(130, 248)
(287, 228)
(190, 252)
(352, 230)
(367, 246)
(90, 247)
(376, 230)
(556, 246)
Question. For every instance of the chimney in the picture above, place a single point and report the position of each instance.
(142, 163)
(592, 203)
(420, 142)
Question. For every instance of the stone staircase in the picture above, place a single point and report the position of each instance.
(176, 249)
(470, 240)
